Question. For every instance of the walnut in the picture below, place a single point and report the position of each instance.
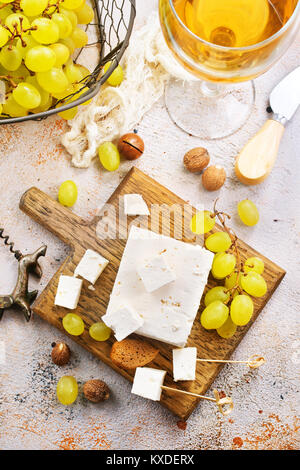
(196, 159)
(96, 391)
(213, 178)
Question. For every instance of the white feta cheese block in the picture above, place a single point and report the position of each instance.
(134, 204)
(168, 312)
(156, 273)
(147, 383)
(68, 292)
(184, 364)
(91, 266)
(124, 321)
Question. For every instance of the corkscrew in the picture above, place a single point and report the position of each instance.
(21, 297)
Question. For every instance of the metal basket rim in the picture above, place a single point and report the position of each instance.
(95, 88)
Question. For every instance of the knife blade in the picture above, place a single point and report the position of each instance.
(256, 160)
(285, 97)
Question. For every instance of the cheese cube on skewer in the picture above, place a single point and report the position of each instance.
(68, 292)
(124, 321)
(155, 273)
(184, 364)
(134, 204)
(147, 383)
(91, 266)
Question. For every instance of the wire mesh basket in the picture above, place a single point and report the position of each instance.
(109, 36)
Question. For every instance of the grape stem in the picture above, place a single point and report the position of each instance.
(9, 79)
(222, 216)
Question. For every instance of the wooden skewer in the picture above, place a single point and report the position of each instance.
(219, 401)
(188, 393)
(253, 362)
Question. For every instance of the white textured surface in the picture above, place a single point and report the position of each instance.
(266, 409)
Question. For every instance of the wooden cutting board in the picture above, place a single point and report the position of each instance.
(80, 236)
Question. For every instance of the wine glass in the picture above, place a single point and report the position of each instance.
(226, 43)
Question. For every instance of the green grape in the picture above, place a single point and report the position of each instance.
(40, 59)
(67, 390)
(73, 324)
(248, 212)
(27, 95)
(53, 81)
(73, 72)
(230, 281)
(64, 94)
(241, 310)
(69, 43)
(254, 264)
(254, 284)
(10, 58)
(216, 293)
(84, 71)
(62, 53)
(99, 331)
(85, 14)
(5, 12)
(116, 78)
(109, 156)
(43, 107)
(68, 193)
(26, 44)
(227, 330)
(4, 35)
(13, 22)
(33, 7)
(80, 91)
(1, 108)
(219, 241)
(47, 31)
(72, 4)
(45, 96)
(223, 265)
(202, 222)
(71, 15)
(19, 75)
(69, 113)
(214, 315)
(13, 109)
(64, 25)
(79, 37)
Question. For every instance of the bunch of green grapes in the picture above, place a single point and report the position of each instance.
(37, 40)
(229, 305)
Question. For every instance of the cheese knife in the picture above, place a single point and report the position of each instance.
(256, 160)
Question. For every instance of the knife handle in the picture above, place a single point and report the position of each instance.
(256, 160)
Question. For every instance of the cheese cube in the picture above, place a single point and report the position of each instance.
(134, 204)
(170, 311)
(68, 292)
(147, 383)
(91, 266)
(124, 321)
(155, 273)
(184, 364)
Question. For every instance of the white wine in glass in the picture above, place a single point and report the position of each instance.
(223, 42)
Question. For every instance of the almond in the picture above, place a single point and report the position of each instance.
(196, 159)
(213, 178)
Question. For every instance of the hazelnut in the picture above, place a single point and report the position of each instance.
(213, 178)
(96, 391)
(196, 159)
(60, 353)
(131, 146)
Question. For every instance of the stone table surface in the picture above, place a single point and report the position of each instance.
(266, 411)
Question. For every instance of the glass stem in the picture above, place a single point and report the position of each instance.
(211, 89)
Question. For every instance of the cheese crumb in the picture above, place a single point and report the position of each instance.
(91, 266)
(147, 383)
(123, 322)
(68, 292)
